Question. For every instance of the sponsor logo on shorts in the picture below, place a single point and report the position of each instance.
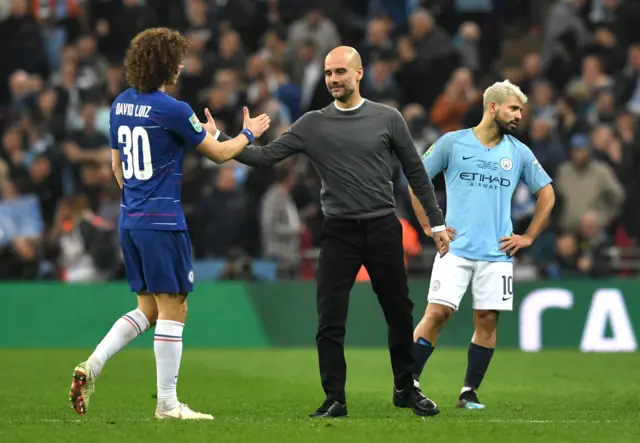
(435, 285)
(191, 277)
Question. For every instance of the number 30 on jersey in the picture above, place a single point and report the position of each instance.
(134, 142)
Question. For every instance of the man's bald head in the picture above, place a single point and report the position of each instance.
(345, 55)
(343, 72)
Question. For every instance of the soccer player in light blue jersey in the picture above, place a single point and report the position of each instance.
(150, 133)
(482, 167)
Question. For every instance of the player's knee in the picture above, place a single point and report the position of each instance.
(148, 306)
(437, 315)
(172, 307)
(486, 321)
(183, 309)
(150, 314)
(175, 312)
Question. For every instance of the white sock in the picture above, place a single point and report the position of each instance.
(125, 329)
(465, 389)
(167, 346)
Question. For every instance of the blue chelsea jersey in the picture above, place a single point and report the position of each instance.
(152, 132)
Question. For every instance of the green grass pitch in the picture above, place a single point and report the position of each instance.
(265, 396)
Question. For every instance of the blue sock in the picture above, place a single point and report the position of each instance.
(422, 350)
(478, 359)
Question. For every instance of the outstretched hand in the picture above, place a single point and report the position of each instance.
(258, 125)
(210, 124)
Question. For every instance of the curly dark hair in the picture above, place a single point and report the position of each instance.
(153, 58)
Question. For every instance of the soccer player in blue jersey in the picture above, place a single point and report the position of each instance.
(482, 167)
(150, 132)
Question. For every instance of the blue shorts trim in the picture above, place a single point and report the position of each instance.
(157, 261)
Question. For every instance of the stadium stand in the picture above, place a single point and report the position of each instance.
(578, 60)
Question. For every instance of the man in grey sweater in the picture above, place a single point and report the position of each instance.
(353, 144)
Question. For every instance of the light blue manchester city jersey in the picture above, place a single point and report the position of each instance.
(480, 183)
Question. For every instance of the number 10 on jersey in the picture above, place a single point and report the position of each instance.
(135, 141)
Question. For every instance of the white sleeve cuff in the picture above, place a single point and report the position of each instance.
(216, 135)
(439, 228)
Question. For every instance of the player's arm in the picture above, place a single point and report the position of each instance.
(222, 151)
(417, 176)
(288, 144)
(181, 120)
(539, 183)
(116, 166)
(546, 200)
(116, 160)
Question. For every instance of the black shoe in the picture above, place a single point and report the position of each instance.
(412, 397)
(469, 400)
(330, 409)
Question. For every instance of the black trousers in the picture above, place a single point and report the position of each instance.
(346, 245)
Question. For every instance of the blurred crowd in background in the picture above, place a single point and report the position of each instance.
(61, 67)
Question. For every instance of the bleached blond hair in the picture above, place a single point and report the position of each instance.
(500, 92)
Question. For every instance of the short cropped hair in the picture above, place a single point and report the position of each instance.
(154, 58)
(499, 92)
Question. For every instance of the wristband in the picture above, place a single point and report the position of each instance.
(249, 135)
(439, 228)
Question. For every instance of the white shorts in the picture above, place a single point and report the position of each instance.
(491, 283)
